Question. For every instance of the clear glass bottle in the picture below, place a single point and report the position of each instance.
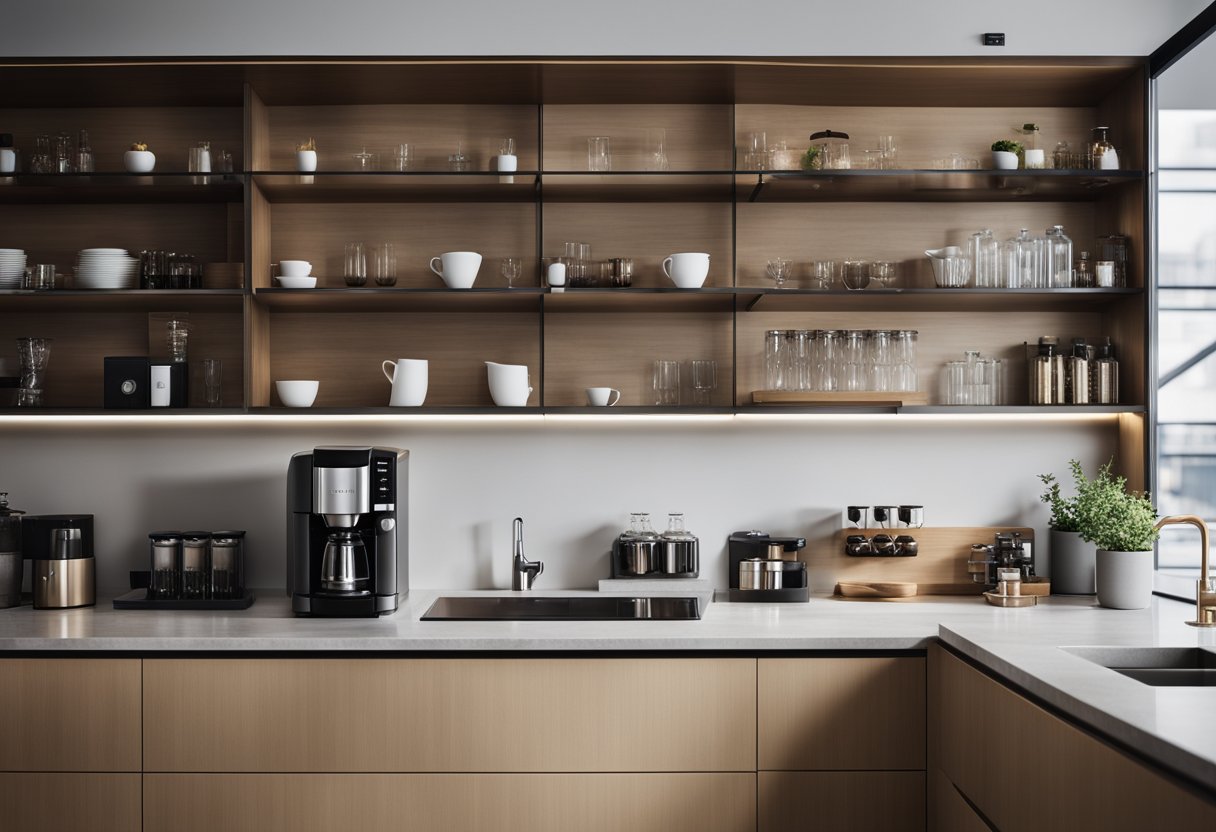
(1101, 152)
(1033, 155)
(1061, 157)
(1104, 386)
(1076, 385)
(1113, 247)
(983, 250)
(1084, 275)
(1057, 258)
(1025, 260)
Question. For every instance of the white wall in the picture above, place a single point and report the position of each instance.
(581, 27)
(573, 482)
(1190, 84)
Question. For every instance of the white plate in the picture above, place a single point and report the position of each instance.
(119, 251)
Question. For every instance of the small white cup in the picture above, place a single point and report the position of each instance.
(295, 268)
(306, 161)
(139, 161)
(556, 275)
(688, 269)
(409, 377)
(297, 392)
(457, 268)
(603, 396)
(508, 163)
(509, 385)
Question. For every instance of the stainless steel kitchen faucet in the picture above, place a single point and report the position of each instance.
(523, 571)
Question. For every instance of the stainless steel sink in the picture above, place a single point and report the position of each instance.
(1156, 666)
(576, 608)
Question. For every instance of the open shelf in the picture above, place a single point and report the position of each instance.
(130, 300)
(409, 186)
(388, 299)
(637, 186)
(931, 185)
(929, 300)
(99, 188)
(640, 300)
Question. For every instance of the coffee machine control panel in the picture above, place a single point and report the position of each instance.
(383, 484)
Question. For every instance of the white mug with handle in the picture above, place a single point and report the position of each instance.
(457, 268)
(603, 396)
(409, 377)
(688, 269)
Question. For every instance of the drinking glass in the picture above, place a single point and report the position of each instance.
(823, 274)
(667, 382)
(84, 154)
(599, 153)
(827, 344)
(510, 270)
(402, 160)
(775, 358)
(177, 335)
(888, 150)
(200, 160)
(779, 270)
(365, 161)
(756, 153)
(213, 377)
(884, 273)
(64, 152)
(355, 266)
(704, 380)
(856, 274)
(384, 264)
(798, 353)
(458, 162)
(34, 354)
(622, 271)
(506, 147)
(656, 149)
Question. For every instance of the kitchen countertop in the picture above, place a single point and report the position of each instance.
(1174, 726)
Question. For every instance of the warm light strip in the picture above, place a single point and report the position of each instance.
(12, 422)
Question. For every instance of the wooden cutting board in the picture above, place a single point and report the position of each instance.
(876, 589)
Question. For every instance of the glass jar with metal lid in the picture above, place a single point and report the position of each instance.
(165, 549)
(228, 564)
(195, 559)
(830, 150)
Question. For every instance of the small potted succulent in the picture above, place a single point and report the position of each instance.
(306, 156)
(1006, 154)
(139, 159)
(1123, 525)
(812, 159)
(1072, 559)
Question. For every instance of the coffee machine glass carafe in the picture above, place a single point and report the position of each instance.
(344, 564)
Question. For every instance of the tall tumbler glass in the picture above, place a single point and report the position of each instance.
(354, 270)
(704, 380)
(667, 383)
(775, 358)
(829, 344)
(599, 153)
(213, 379)
(34, 354)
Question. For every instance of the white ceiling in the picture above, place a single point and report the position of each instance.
(1189, 84)
(51, 28)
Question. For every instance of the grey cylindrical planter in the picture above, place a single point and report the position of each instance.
(1072, 564)
(1125, 579)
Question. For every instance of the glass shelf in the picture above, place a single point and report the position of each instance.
(129, 300)
(392, 299)
(637, 186)
(96, 188)
(391, 186)
(928, 300)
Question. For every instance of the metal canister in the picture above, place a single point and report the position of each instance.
(759, 573)
(195, 558)
(165, 552)
(227, 564)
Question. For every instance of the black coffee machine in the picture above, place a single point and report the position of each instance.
(347, 540)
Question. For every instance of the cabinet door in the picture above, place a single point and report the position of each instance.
(450, 802)
(70, 714)
(841, 801)
(837, 714)
(1065, 778)
(948, 811)
(450, 715)
(46, 802)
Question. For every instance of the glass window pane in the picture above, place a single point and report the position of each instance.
(1186, 138)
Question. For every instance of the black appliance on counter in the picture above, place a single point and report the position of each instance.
(766, 569)
(347, 537)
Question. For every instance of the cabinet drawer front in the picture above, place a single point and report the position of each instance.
(948, 811)
(1077, 781)
(839, 714)
(841, 801)
(450, 802)
(450, 715)
(70, 714)
(77, 802)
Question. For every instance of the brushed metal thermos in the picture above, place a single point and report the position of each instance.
(66, 578)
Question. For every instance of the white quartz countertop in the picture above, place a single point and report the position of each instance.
(1029, 647)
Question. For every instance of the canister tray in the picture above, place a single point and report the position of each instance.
(137, 599)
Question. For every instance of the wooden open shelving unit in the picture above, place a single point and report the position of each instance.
(265, 211)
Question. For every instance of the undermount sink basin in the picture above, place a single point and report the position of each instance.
(1156, 666)
(577, 608)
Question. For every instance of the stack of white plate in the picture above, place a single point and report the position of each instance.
(106, 268)
(12, 268)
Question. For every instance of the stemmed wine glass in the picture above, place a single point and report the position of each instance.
(510, 270)
(779, 269)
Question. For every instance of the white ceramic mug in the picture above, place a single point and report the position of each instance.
(688, 269)
(508, 162)
(409, 378)
(306, 161)
(603, 396)
(509, 385)
(457, 268)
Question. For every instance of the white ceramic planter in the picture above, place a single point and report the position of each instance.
(1004, 160)
(1124, 579)
(139, 161)
(306, 161)
(1072, 564)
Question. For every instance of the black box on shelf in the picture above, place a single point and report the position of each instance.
(127, 383)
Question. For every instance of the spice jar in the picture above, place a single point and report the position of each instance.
(165, 549)
(227, 564)
(195, 557)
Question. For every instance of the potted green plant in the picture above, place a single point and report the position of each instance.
(1071, 559)
(1123, 525)
(811, 160)
(1006, 154)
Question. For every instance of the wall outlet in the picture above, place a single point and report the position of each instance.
(994, 38)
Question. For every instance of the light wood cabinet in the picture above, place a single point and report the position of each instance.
(450, 802)
(46, 802)
(841, 801)
(841, 713)
(70, 715)
(450, 715)
(1027, 770)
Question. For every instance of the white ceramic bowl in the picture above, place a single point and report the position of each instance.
(297, 392)
(298, 282)
(139, 161)
(295, 268)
